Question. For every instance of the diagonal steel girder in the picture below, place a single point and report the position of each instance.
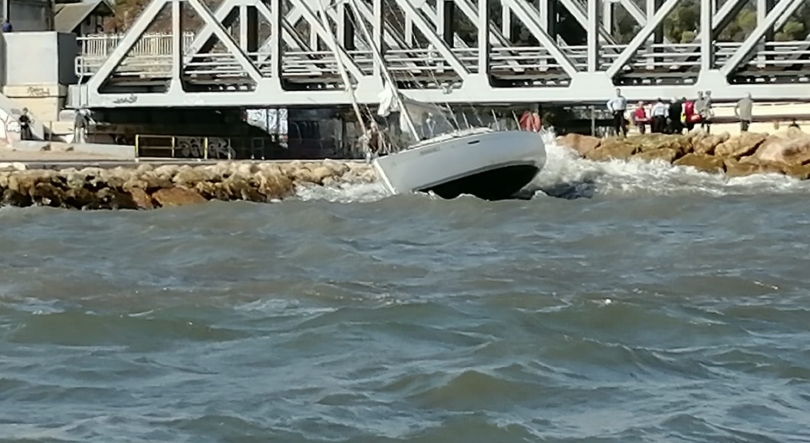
(576, 10)
(390, 36)
(723, 17)
(743, 53)
(317, 27)
(468, 9)
(125, 45)
(223, 11)
(434, 39)
(641, 37)
(517, 7)
(270, 47)
(209, 19)
(470, 12)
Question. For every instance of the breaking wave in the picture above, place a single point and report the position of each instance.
(566, 175)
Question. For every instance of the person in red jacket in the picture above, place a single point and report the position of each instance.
(689, 115)
(640, 118)
(531, 121)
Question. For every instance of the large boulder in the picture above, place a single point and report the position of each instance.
(736, 168)
(742, 145)
(47, 194)
(582, 144)
(141, 199)
(612, 150)
(666, 154)
(707, 143)
(189, 177)
(801, 172)
(679, 143)
(791, 151)
(177, 197)
(702, 162)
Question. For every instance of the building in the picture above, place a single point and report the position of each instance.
(28, 15)
(81, 17)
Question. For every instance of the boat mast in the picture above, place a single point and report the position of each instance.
(389, 81)
(341, 68)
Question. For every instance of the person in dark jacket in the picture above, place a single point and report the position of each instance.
(25, 125)
(675, 110)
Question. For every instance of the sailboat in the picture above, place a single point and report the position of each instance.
(445, 159)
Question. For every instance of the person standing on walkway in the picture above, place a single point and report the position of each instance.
(708, 113)
(618, 105)
(25, 125)
(700, 108)
(675, 111)
(744, 111)
(640, 118)
(80, 126)
(659, 117)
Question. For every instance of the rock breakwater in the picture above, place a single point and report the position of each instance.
(149, 187)
(787, 152)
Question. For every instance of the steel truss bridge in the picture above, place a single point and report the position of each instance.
(226, 63)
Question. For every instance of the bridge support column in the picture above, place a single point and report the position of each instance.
(249, 30)
(548, 20)
(607, 16)
(593, 35)
(763, 7)
(448, 16)
(657, 37)
(345, 27)
(177, 46)
(706, 44)
(548, 16)
(483, 39)
(506, 22)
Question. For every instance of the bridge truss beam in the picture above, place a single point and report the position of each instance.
(436, 61)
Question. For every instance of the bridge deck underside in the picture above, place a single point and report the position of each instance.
(180, 69)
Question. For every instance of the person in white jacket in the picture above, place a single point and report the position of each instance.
(618, 105)
(659, 117)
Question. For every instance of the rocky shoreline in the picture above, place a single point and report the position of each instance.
(786, 152)
(147, 187)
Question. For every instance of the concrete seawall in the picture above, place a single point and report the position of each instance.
(147, 186)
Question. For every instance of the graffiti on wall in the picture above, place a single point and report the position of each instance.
(9, 126)
(194, 147)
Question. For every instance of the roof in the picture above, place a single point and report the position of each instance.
(68, 16)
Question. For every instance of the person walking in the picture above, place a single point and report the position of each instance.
(80, 126)
(659, 117)
(744, 111)
(618, 105)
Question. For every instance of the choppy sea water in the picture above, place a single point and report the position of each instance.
(623, 303)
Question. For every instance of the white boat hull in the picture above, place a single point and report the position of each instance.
(488, 164)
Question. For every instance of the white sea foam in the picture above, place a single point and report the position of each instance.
(344, 192)
(567, 175)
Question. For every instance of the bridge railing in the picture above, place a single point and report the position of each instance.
(151, 57)
(102, 45)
